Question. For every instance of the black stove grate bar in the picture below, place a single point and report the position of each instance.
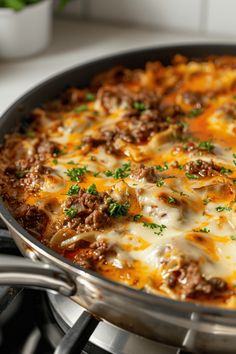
(7, 246)
(76, 338)
(182, 351)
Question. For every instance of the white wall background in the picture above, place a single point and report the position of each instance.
(214, 17)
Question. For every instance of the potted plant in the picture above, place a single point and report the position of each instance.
(25, 27)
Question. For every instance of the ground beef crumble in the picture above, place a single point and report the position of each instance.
(202, 168)
(91, 254)
(190, 283)
(28, 174)
(135, 128)
(92, 211)
(148, 174)
(113, 97)
(33, 219)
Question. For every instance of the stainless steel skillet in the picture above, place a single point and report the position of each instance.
(155, 317)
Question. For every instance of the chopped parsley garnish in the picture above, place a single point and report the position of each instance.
(55, 161)
(58, 152)
(154, 226)
(108, 173)
(81, 108)
(191, 176)
(71, 212)
(171, 200)
(206, 201)
(204, 229)
(223, 208)
(162, 168)
(117, 209)
(96, 174)
(206, 145)
(140, 106)
(90, 97)
(121, 172)
(179, 166)
(93, 158)
(73, 190)
(137, 217)
(21, 173)
(30, 134)
(183, 125)
(78, 147)
(160, 182)
(233, 237)
(224, 170)
(169, 120)
(92, 189)
(234, 97)
(194, 112)
(234, 161)
(76, 173)
(234, 181)
(71, 163)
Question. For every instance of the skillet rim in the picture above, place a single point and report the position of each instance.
(12, 224)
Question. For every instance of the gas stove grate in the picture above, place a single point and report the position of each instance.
(75, 339)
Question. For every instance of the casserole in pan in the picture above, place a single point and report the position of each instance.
(132, 179)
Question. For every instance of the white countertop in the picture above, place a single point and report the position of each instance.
(75, 42)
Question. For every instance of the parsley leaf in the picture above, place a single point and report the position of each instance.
(223, 208)
(81, 108)
(90, 97)
(121, 172)
(96, 174)
(92, 189)
(191, 176)
(224, 170)
(21, 173)
(71, 212)
(206, 201)
(162, 168)
(171, 200)
(194, 112)
(160, 182)
(183, 125)
(137, 217)
(153, 226)
(76, 173)
(58, 152)
(108, 173)
(73, 190)
(117, 209)
(140, 106)
(204, 229)
(55, 161)
(30, 134)
(234, 161)
(206, 145)
(233, 237)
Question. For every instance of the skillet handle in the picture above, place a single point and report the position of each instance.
(23, 272)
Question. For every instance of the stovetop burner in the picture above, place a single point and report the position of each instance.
(106, 336)
(36, 322)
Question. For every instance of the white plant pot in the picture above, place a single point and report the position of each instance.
(25, 32)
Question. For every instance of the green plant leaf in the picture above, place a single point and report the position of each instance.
(16, 5)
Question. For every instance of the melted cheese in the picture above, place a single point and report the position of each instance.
(193, 226)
